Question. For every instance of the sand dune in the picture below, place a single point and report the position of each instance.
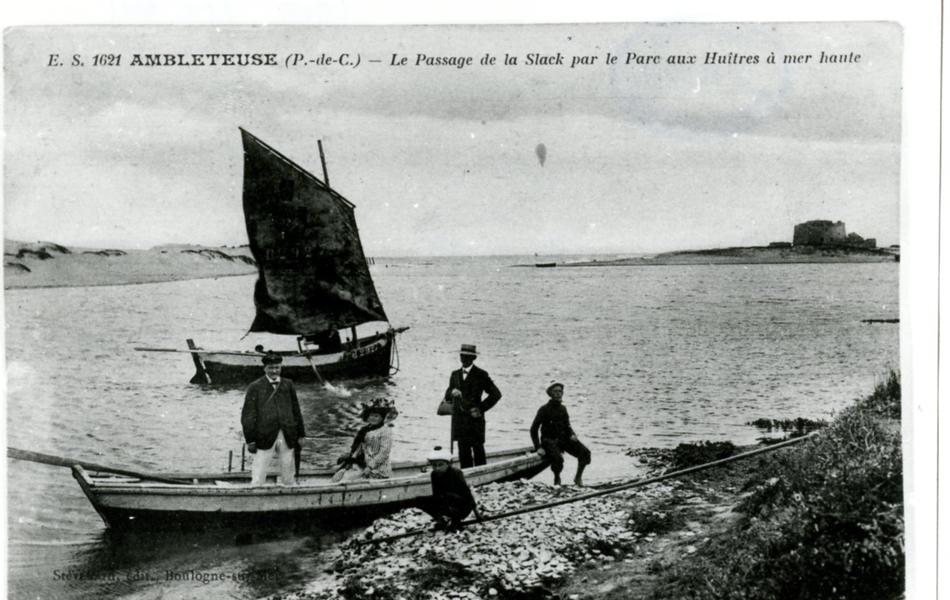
(46, 264)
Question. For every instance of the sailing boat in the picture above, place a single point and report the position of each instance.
(314, 287)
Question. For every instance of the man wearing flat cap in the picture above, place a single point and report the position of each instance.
(272, 422)
(472, 393)
(557, 436)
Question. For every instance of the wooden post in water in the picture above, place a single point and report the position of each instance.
(243, 446)
(230, 458)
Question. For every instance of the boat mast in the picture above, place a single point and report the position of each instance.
(354, 342)
(323, 161)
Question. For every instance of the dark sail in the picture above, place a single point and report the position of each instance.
(313, 277)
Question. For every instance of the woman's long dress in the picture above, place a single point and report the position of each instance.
(375, 449)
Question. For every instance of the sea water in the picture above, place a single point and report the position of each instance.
(649, 356)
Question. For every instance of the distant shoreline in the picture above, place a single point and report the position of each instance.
(48, 265)
(748, 255)
(170, 279)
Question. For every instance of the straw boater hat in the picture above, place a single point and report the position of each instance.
(553, 385)
(439, 454)
(272, 359)
(468, 349)
(383, 406)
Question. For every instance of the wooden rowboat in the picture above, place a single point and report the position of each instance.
(226, 499)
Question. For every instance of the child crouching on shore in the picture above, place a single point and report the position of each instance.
(452, 500)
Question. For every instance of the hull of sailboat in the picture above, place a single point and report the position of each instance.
(371, 360)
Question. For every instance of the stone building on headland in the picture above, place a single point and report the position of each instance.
(826, 233)
(819, 233)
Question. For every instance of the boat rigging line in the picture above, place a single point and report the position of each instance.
(394, 361)
(611, 490)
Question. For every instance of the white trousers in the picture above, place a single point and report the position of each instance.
(285, 458)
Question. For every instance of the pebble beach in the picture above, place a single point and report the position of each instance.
(527, 553)
(536, 555)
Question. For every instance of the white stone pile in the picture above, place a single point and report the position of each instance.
(525, 553)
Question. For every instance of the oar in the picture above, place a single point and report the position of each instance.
(58, 461)
(225, 352)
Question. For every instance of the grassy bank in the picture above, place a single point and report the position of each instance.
(824, 521)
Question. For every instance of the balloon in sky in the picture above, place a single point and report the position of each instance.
(542, 153)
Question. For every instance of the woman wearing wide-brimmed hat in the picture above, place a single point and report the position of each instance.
(369, 454)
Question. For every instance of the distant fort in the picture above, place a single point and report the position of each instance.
(825, 233)
(812, 242)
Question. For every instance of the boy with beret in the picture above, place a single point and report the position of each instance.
(557, 436)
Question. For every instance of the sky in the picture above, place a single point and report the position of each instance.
(441, 160)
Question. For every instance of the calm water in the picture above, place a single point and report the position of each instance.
(650, 356)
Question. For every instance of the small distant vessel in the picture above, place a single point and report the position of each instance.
(195, 501)
(314, 289)
(545, 265)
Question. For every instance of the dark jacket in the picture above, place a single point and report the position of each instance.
(450, 488)
(268, 411)
(465, 427)
(553, 422)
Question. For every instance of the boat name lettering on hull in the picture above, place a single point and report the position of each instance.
(363, 351)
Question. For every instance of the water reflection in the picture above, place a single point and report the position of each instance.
(245, 563)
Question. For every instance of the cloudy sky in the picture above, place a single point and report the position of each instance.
(441, 160)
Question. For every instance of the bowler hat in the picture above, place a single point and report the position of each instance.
(272, 359)
(468, 349)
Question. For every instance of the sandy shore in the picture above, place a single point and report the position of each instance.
(45, 264)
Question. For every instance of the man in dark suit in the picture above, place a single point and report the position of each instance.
(272, 422)
(466, 389)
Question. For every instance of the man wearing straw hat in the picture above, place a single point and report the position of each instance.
(272, 422)
(466, 389)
